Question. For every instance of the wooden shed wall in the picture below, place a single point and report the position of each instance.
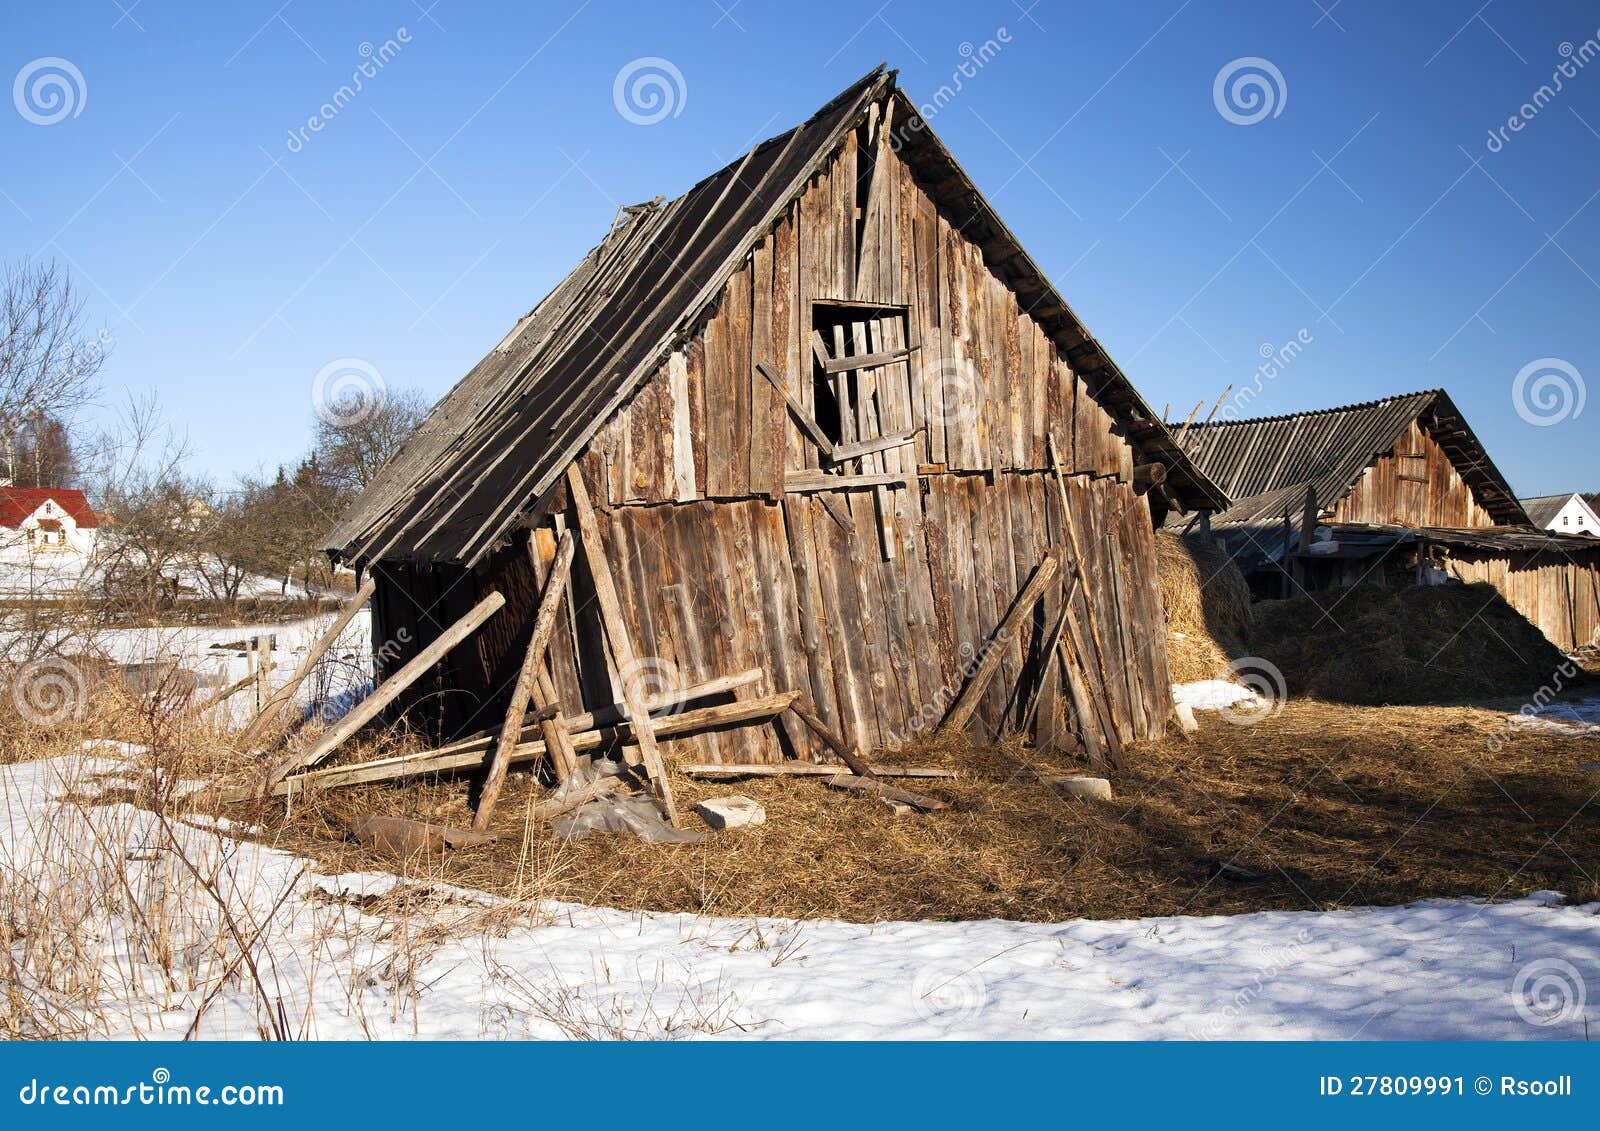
(1560, 595)
(873, 602)
(1413, 483)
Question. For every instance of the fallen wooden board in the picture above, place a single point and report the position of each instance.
(442, 761)
(802, 769)
(614, 714)
(884, 790)
(400, 836)
(841, 749)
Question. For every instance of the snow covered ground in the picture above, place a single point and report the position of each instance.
(217, 657)
(1440, 969)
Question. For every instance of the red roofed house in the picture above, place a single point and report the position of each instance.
(47, 520)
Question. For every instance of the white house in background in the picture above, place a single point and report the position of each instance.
(1564, 514)
(47, 522)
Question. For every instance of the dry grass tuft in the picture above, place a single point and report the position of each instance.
(1208, 606)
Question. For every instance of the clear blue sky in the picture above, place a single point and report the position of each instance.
(481, 160)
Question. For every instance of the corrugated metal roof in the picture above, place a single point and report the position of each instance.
(496, 444)
(1266, 463)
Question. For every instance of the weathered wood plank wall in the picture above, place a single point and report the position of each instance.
(1415, 483)
(1559, 595)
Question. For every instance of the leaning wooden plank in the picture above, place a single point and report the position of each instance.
(887, 792)
(835, 742)
(263, 726)
(801, 482)
(999, 643)
(870, 447)
(867, 360)
(622, 653)
(386, 692)
(610, 716)
(1047, 653)
(434, 762)
(225, 694)
(807, 422)
(1053, 449)
(544, 624)
(802, 769)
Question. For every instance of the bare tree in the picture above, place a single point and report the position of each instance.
(348, 454)
(49, 361)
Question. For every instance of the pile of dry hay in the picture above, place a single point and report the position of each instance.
(1207, 603)
(1431, 644)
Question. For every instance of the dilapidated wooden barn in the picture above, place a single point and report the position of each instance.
(1399, 487)
(821, 426)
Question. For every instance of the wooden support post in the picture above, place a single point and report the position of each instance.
(226, 694)
(616, 630)
(1047, 654)
(262, 647)
(966, 703)
(544, 625)
(386, 692)
(262, 727)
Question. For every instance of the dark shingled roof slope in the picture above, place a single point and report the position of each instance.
(496, 445)
(1265, 464)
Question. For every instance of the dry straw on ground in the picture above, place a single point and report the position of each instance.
(1434, 644)
(1321, 807)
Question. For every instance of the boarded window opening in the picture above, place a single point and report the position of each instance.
(853, 405)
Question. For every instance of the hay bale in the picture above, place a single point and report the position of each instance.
(1373, 645)
(1207, 602)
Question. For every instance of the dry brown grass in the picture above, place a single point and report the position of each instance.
(1207, 603)
(1321, 807)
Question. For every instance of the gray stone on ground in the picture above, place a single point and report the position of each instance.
(1090, 789)
(732, 812)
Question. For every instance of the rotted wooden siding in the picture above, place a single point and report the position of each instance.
(1560, 596)
(1414, 483)
(873, 602)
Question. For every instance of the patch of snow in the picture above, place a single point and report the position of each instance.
(1440, 969)
(1212, 694)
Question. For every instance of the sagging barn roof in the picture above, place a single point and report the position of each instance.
(494, 448)
(1265, 464)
